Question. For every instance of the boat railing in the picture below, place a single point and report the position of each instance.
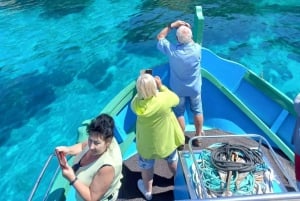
(41, 176)
(276, 196)
(260, 144)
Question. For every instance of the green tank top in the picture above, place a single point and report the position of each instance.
(111, 157)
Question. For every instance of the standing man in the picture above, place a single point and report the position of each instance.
(185, 72)
(296, 140)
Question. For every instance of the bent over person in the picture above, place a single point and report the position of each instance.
(97, 168)
(185, 72)
(158, 133)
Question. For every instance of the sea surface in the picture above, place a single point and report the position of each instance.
(61, 61)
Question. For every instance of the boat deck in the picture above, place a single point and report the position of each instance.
(164, 182)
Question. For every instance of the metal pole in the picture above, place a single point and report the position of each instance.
(40, 178)
(198, 25)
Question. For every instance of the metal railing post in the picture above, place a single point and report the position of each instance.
(198, 25)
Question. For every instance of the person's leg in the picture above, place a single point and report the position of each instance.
(179, 112)
(147, 176)
(147, 172)
(173, 167)
(196, 108)
(181, 122)
(198, 121)
(172, 160)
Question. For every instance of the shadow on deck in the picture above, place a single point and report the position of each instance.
(162, 182)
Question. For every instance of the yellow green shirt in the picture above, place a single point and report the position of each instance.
(158, 132)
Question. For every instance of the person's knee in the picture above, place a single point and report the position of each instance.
(145, 164)
(173, 164)
(173, 167)
(198, 115)
(198, 118)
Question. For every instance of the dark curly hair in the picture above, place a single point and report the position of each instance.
(102, 126)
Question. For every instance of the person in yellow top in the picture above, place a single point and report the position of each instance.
(97, 170)
(158, 133)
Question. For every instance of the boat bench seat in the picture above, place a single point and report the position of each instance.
(126, 141)
(223, 124)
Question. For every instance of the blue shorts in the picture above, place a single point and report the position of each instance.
(149, 163)
(194, 102)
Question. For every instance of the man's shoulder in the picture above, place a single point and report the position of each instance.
(194, 44)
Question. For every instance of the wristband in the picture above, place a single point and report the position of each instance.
(73, 181)
(169, 26)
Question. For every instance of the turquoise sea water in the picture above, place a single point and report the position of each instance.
(62, 61)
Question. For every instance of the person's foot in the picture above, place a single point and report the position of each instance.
(197, 142)
(141, 187)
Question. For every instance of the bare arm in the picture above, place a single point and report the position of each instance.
(99, 186)
(71, 150)
(158, 82)
(164, 32)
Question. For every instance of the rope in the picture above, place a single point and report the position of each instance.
(225, 158)
(218, 160)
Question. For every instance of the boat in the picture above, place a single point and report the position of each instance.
(238, 106)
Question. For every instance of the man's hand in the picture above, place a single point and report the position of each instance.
(179, 23)
(174, 25)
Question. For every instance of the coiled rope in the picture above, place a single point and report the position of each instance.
(230, 168)
(225, 158)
